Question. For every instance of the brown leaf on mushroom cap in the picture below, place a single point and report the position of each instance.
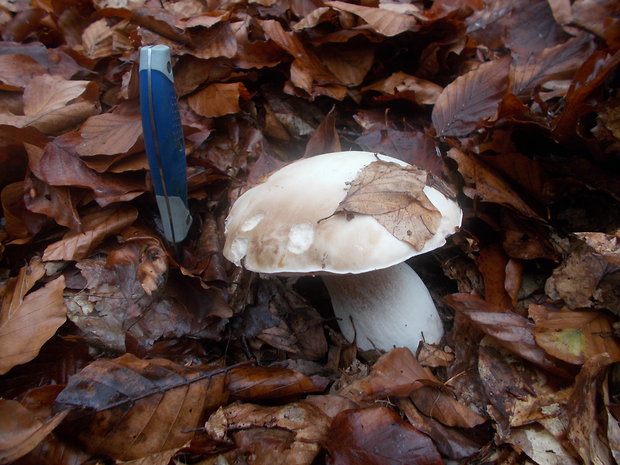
(394, 196)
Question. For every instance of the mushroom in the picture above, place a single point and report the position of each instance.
(288, 226)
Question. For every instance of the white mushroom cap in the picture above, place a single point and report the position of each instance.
(284, 225)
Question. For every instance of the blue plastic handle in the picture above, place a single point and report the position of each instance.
(164, 141)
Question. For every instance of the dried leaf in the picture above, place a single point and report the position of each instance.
(54, 202)
(217, 41)
(16, 71)
(252, 383)
(325, 138)
(307, 423)
(441, 406)
(95, 228)
(21, 430)
(510, 330)
(574, 336)
(219, 99)
(383, 21)
(31, 323)
(471, 99)
(490, 187)
(396, 373)
(110, 133)
(377, 436)
(425, 92)
(140, 407)
(48, 105)
(394, 196)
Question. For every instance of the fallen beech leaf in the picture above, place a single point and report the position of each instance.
(540, 445)
(511, 330)
(441, 406)
(307, 423)
(31, 323)
(60, 165)
(556, 62)
(349, 64)
(489, 186)
(492, 262)
(16, 71)
(21, 223)
(396, 373)
(95, 228)
(140, 407)
(218, 99)
(325, 138)
(596, 274)
(306, 69)
(21, 430)
(377, 436)
(394, 196)
(385, 22)
(426, 92)
(110, 133)
(574, 336)
(472, 98)
(262, 383)
(217, 41)
(47, 105)
(54, 202)
(584, 433)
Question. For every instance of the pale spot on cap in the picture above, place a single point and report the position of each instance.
(300, 238)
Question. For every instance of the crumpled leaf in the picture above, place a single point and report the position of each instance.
(16, 71)
(385, 22)
(95, 228)
(574, 336)
(26, 323)
(140, 407)
(489, 186)
(306, 422)
(396, 373)
(509, 329)
(21, 430)
(377, 436)
(441, 406)
(472, 98)
(394, 196)
(54, 202)
(424, 92)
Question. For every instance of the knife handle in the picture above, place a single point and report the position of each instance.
(164, 140)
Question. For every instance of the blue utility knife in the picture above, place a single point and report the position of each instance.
(163, 138)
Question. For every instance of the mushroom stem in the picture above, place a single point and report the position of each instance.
(384, 308)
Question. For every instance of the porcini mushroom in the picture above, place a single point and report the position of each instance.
(296, 222)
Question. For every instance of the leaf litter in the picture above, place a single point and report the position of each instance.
(113, 348)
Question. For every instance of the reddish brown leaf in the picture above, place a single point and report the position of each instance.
(140, 407)
(441, 406)
(489, 186)
(325, 138)
(21, 430)
(21, 223)
(55, 202)
(492, 262)
(217, 41)
(95, 228)
(512, 331)
(471, 99)
(260, 383)
(59, 165)
(219, 99)
(396, 373)
(27, 324)
(377, 436)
